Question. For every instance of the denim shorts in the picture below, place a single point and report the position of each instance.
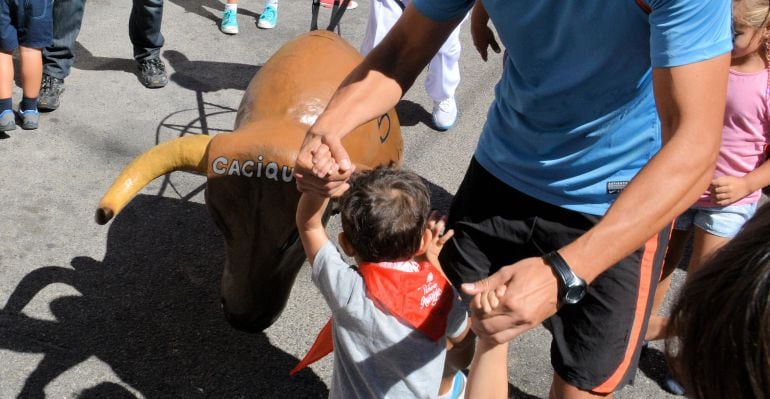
(723, 221)
(25, 22)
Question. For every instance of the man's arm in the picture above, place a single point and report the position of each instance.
(310, 226)
(370, 90)
(691, 102)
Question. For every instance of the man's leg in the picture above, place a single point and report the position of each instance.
(60, 55)
(67, 20)
(144, 30)
(597, 342)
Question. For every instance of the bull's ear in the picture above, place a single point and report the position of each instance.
(345, 244)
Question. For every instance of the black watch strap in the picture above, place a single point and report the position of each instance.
(561, 267)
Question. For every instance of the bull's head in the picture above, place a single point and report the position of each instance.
(250, 190)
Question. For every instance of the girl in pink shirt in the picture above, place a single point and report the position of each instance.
(740, 172)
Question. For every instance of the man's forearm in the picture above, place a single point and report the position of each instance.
(691, 102)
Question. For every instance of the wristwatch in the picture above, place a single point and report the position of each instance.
(572, 288)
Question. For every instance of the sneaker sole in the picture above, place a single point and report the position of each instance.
(7, 128)
(29, 126)
(155, 85)
(47, 105)
(229, 31)
(265, 25)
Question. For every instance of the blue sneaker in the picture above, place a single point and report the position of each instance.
(29, 119)
(269, 17)
(229, 22)
(7, 120)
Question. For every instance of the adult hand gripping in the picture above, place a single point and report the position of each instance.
(323, 165)
(528, 298)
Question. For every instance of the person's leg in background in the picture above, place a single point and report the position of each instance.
(59, 56)
(443, 79)
(8, 43)
(229, 23)
(269, 17)
(144, 30)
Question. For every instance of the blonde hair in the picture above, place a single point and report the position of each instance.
(753, 13)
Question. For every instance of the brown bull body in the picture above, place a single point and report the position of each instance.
(250, 191)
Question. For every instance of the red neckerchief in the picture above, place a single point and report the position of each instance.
(421, 300)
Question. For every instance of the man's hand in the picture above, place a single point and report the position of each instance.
(529, 297)
(726, 190)
(323, 166)
(482, 35)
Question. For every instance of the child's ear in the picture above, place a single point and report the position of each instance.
(427, 236)
(345, 244)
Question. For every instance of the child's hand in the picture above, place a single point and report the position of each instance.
(438, 237)
(480, 33)
(324, 166)
(482, 305)
(487, 302)
(726, 190)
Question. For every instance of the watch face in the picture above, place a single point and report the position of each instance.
(574, 294)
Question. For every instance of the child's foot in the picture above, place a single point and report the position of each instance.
(269, 17)
(29, 119)
(7, 120)
(229, 22)
(330, 3)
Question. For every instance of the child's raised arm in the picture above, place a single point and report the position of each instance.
(488, 378)
(310, 226)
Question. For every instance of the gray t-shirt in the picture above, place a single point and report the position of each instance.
(375, 354)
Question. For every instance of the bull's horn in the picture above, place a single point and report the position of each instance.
(185, 153)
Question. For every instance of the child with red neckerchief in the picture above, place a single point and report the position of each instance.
(393, 314)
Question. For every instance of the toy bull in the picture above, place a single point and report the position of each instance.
(250, 191)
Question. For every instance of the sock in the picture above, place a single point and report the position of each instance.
(233, 6)
(6, 104)
(28, 104)
(272, 3)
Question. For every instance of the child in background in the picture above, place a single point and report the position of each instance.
(719, 344)
(392, 315)
(740, 172)
(28, 26)
(267, 19)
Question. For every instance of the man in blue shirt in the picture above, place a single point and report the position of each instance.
(605, 126)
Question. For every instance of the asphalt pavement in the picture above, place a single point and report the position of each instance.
(131, 309)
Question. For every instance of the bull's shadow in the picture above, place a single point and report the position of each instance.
(151, 311)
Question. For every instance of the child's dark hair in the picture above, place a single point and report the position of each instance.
(384, 214)
(720, 324)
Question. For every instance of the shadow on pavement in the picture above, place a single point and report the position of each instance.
(410, 113)
(208, 76)
(151, 311)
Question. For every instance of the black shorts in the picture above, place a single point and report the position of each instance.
(597, 342)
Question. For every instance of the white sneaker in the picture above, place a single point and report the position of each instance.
(445, 113)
